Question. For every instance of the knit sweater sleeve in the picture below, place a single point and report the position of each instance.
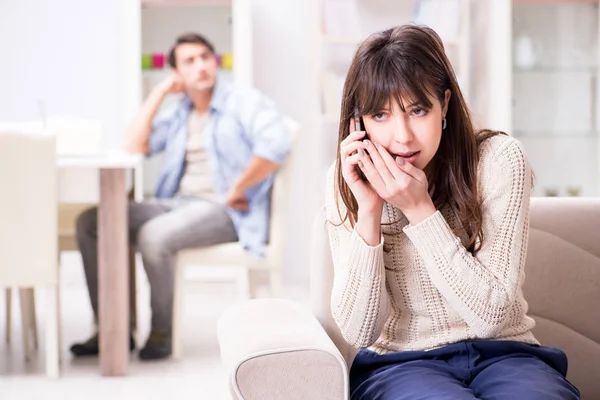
(359, 300)
(482, 288)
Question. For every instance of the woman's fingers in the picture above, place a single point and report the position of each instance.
(371, 172)
(378, 161)
(411, 170)
(354, 160)
(391, 163)
(352, 137)
(351, 148)
(353, 134)
(400, 168)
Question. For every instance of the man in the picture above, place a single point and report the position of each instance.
(222, 147)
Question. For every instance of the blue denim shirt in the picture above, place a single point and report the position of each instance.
(243, 124)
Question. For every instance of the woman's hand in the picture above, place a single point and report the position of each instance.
(352, 151)
(397, 182)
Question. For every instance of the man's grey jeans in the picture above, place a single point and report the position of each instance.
(159, 228)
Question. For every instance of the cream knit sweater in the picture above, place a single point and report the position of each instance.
(428, 291)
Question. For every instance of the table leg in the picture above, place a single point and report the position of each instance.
(113, 273)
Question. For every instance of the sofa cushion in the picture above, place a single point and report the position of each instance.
(276, 349)
(294, 375)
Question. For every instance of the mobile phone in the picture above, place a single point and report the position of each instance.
(360, 126)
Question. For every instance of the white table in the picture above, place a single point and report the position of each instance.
(113, 271)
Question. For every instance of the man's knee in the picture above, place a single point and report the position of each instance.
(152, 241)
(87, 222)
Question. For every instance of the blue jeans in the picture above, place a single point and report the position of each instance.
(490, 370)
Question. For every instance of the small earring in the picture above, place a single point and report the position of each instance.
(444, 124)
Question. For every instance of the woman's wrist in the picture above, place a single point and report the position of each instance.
(419, 214)
(369, 213)
(370, 210)
(368, 226)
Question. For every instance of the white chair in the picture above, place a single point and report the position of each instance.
(81, 137)
(73, 135)
(28, 240)
(233, 255)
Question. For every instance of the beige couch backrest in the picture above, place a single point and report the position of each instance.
(562, 284)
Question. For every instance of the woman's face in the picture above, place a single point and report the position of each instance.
(413, 134)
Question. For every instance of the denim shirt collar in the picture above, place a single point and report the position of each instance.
(221, 91)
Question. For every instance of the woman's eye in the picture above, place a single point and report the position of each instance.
(379, 117)
(419, 112)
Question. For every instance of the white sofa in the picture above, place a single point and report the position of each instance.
(275, 349)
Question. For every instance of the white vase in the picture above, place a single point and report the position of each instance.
(525, 52)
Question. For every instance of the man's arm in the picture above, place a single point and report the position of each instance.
(138, 134)
(271, 146)
(258, 170)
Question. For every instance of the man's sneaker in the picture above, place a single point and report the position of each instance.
(157, 347)
(90, 347)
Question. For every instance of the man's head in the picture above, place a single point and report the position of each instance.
(193, 60)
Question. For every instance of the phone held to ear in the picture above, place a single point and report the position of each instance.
(360, 126)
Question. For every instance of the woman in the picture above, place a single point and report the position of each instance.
(429, 228)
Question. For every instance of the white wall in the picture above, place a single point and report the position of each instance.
(68, 54)
(490, 89)
(162, 25)
(284, 69)
(71, 55)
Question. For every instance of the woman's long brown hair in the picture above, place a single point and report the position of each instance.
(409, 62)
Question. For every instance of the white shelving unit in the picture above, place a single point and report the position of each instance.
(339, 38)
(555, 86)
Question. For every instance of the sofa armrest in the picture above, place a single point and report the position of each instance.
(276, 349)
